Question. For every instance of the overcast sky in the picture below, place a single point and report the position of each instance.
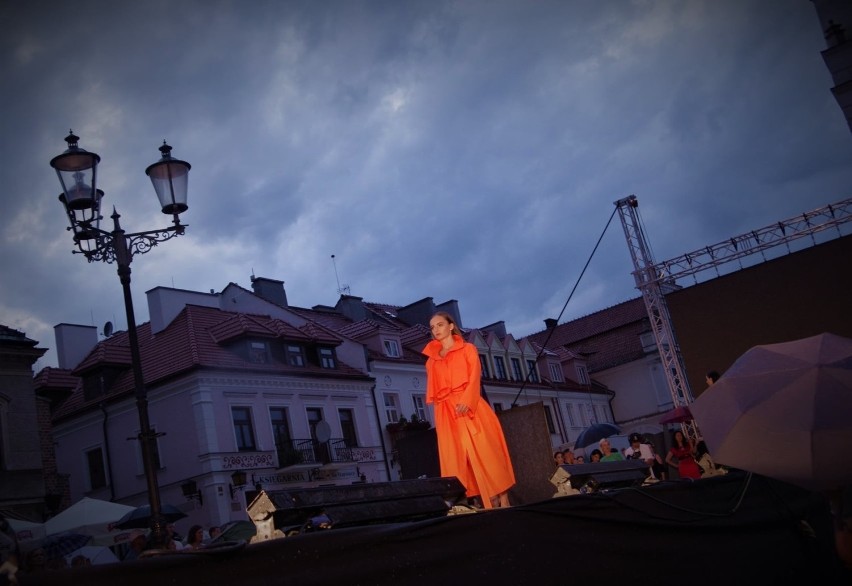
(467, 150)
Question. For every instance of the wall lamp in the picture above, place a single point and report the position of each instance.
(191, 492)
(238, 482)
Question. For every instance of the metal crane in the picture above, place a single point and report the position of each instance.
(652, 278)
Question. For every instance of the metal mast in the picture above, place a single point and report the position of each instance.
(651, 277)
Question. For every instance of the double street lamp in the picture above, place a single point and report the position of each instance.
(77, 172)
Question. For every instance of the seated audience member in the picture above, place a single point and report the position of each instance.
(608, 454)
(639, 450)
(706, 463)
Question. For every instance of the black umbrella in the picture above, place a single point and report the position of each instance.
(140, 517)
(595, 433)
(236, 531)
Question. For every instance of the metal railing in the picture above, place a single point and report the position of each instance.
(312, 451)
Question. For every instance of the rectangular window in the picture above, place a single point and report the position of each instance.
(326, 358)
(517, 373)
(391, 407)
(584, 415)
(582, 375)
(295, 357)
(392, 348)
(548, 416)
(97, 470)
(483, 360)
(280, 426)
(243, 429)
(533, 371)
(321, 450)
(258, 353)
(420, 407)
(591, 411)
(347, 426)
(569, 411)
(500, 368)
(555, 372)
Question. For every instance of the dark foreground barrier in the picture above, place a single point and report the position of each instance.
(733, 529)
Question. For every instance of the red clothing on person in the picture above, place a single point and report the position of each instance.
(686, 465)
(472, 446)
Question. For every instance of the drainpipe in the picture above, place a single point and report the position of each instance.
(106, 449)
(381, 433)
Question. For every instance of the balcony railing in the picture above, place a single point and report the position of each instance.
(335, 450)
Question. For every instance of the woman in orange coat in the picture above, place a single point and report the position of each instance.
(471, 445)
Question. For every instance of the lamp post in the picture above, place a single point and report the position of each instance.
(77, 172)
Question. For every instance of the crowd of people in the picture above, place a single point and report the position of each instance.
(691, 460)
(17, 560)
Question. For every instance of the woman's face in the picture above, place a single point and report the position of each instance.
(440, 327)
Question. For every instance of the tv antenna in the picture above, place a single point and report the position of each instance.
(345, 288)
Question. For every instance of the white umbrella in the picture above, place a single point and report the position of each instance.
(97, 554)
(27, 532)
(784, 411)
(91, 517)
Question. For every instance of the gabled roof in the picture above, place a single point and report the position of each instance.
(197, 338)
(607, 338)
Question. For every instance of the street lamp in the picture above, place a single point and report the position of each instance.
(77, 172)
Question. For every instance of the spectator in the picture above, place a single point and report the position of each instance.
(557, 458)
(194, 537)
(595, 456)
(607, 453)
(683, 451)
(9, 552)
(639, 450)
(580, 459)
(138, 542)
(214, 532)
(705, 461)
(711, 377)
(568, 457)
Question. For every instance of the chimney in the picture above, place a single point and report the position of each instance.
(270, 290)
(549, 323)
(73, 343)
(352, 307)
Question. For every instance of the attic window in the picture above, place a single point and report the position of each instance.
(390, 313)
(555, 372)
(326, 356)
(294, 355)
(258, 353)
(392, 348)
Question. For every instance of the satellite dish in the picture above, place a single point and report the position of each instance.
(108, 329)
(323, 431)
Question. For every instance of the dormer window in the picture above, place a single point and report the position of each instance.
(391, 348)
(555, 372)
(326, 356)
(582, 374)
(295, 357)
(500, 368)
(258, 352)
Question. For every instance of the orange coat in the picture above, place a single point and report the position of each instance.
(471, 447)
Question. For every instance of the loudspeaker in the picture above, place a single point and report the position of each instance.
(597, 476)
(355, 504)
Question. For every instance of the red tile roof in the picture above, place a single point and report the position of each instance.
(607, 338)
(197, 338)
